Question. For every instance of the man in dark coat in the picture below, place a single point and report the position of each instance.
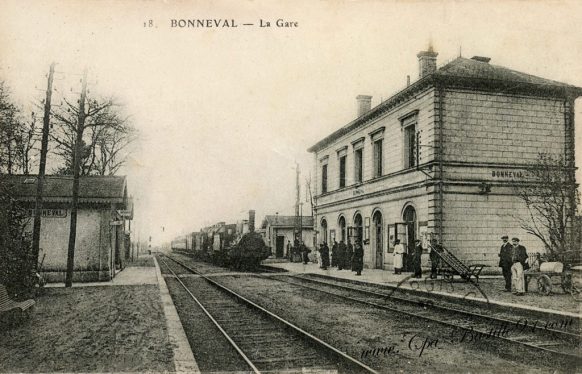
(435, 248)
(505, 261)
(334, 254)
(519, 257)
(358, 259)
(324, 251)
(341, 254)
(349, 254)
(417, 259)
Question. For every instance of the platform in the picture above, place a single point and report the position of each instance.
(487, 291)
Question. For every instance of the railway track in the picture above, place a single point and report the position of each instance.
(265, 341)
(552, 345)
(509, 337)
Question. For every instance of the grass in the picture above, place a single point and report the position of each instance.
(90, 329)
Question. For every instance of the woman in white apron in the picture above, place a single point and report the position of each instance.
(398, 254)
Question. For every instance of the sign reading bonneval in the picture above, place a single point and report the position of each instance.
(49, 213)
(507, 174)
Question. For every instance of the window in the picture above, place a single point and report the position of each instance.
(324, 178)
(378, 158)
(358, 165)
(342, 171)
(410, 146)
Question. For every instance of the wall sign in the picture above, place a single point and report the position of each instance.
(49, 213)
(507, 174)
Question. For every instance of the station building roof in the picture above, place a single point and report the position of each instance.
(470, 73)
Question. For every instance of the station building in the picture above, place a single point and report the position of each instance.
(280, 230)
(438, 159)
(103, 224)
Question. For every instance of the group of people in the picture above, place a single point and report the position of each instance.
(400, 251)
(343, 256)
(513, 262)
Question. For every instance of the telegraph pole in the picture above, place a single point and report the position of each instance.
(297, 199)
(41, 169)
(76, 163)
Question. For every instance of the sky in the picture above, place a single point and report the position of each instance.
(225, 114)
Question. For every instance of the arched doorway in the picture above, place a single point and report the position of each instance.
(409, 217)
(342, 226)
(357, 233)
(377, 235)
(323, 231)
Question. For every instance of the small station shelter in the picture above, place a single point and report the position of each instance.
(104, 214)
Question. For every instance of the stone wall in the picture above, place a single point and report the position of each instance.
(393, 144)
(501, 128)
(391, 208)
(91, 245)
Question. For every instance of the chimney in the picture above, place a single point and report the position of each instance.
(364, 104)
(251, 221)
(427, 62)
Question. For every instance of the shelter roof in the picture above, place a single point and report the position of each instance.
(92, 189)
(286, 221)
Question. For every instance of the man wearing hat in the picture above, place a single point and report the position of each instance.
(417, 258)
(518, 257)
(505, 261)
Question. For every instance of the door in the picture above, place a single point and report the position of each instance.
(401, 232)
(409, 217)
(378, 240)
(280, 247)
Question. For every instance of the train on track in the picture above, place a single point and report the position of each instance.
(233, 245)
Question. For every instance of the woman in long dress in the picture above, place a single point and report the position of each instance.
(398, 256)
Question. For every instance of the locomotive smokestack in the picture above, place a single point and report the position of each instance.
(251, 221)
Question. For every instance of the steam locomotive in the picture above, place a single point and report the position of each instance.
(237, 245)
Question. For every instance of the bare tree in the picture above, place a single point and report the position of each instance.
(105, 141)
(26, 141)
(8, 129)
(550, 196)
(17, 138)
(112, 149)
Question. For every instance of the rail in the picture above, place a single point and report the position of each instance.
(255, 306)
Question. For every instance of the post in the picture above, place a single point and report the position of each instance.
(301, 223)
(75, 199)
(297, 200)
(41, 169)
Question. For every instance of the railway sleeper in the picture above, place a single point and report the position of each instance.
(263, 335)
(287, 359)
